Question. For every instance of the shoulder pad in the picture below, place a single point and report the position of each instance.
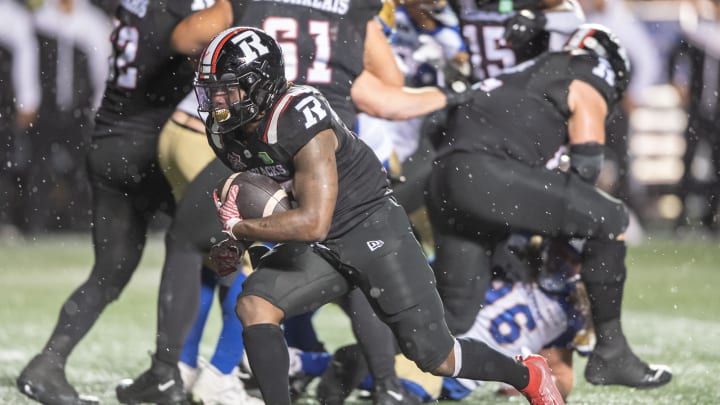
(295, 95)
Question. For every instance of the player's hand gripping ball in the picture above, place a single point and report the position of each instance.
(243, 195)
(248, 195)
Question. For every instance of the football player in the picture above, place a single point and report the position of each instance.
(147, 79)
(349, 48)
(502, 33)
(346, 231)
(490, 179)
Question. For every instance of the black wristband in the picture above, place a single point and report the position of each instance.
(586, 160)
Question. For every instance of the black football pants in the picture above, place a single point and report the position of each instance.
(383, 259)
(476, 200)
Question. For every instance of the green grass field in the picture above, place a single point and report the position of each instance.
(671, 315)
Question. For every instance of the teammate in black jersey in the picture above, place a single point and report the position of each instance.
(347, 231)
(500, 34)
(494, 175)
(147, 79)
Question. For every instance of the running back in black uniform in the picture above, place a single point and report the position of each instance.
(332, 243)
(330, 44)
(147, 79)
(494, 176)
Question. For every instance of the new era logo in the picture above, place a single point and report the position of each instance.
(374, 245)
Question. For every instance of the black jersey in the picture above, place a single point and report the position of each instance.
(523, 114)
(322, 42)
(145, 72)
(300, 114)
(482, 24)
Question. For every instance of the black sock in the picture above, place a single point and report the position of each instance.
(614, 342)
(269, 360)
(178, 299)
(481, 362)
(604, 275)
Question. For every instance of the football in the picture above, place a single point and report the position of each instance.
(258, 195)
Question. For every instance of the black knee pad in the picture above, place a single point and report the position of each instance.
(458, 315)
(422, 334)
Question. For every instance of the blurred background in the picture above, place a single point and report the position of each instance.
(663, 149)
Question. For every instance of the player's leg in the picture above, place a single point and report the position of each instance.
(191, 234)
(464, 241)
(300, 334)
(292, 279)
(401, 287)
(122, 209)
(377, 345)
(604, 273)
(513, 196)
(218, 380)
(191, 348)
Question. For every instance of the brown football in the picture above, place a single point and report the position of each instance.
(258, 195)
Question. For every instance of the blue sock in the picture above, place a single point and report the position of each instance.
(230, 346)
(191, 347)
(300, 332)
(315, 363)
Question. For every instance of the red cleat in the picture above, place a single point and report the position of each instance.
(541, 389)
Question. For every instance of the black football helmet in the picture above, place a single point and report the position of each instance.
(599, 40)
(240, 74)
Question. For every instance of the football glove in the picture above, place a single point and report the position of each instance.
(227, 256)
(523, 26)
(228, 211)
(457, 93)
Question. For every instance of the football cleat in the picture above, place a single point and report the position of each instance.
(212, 387)
(390, 391)
(43, 380)
(541, 389)
(347, 369)
(625, 369)
(160, 384)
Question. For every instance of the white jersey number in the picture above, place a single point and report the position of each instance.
(285, 30)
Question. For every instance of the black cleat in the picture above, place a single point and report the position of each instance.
(390, 391)
(298, 386)
(161, 384)
(626, 369)
(43, 380)
(347, 370)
